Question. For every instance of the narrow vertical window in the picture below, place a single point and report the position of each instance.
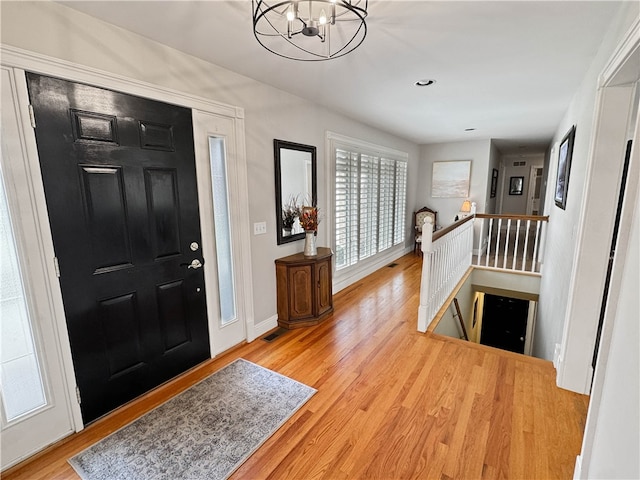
(222, 227)
(22, 383)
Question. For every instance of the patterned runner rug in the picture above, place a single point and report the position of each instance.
(206, 432)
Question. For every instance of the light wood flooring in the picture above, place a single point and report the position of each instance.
(391, 404)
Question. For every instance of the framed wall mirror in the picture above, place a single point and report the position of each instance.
(295, 169)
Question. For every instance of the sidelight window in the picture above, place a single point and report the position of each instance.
(22, 385)
(222, 227)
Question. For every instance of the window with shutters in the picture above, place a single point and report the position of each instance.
(370, 203)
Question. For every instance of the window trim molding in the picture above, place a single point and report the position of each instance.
(349, 275)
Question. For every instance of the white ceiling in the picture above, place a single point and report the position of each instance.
(507, 69)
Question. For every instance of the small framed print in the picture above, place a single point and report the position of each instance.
(515, 185)
(564, 167)
(494, 183)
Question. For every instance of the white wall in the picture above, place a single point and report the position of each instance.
(449, 324)
(558, 272)
(517, 204)
(507, 281)
(491, 204)
(60, 32)
(615, 428)
(479, 152)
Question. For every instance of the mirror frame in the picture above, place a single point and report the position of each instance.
(279, 145)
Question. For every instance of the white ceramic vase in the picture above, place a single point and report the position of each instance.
(310, 249)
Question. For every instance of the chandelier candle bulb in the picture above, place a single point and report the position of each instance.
(302, 30)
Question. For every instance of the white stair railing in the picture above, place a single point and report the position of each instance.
(511, 242)
(446, 258)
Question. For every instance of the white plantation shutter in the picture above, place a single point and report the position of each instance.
(346, 216)
(368, 225)
(400, 203)
(370, 204)
(386, 204)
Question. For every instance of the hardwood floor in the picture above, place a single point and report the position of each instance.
(392, 403)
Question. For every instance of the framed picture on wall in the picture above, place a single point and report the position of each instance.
(451, 179)
(516, 184)
(494, 183)
(565, 152)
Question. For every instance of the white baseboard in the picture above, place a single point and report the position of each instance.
(556, 356)
(577, 471)
(264, 326)
(423, 322)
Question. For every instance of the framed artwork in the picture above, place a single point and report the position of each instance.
(565, 152)
(494, 183)
(451, 179)
(516, 185)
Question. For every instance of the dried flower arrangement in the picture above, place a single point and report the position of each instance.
(309, 219)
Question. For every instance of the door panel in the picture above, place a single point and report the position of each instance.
(504, 323)
(106, 217)
(324, 286)
(172, 308)
(120, 184)
(162, 199)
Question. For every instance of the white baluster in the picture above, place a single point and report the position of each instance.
(515, 247)
(480, 241)
(526, 244)
(506, 244)
(495, 263)
(486, 260)
(535, 248)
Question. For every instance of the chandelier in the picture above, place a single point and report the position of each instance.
(310, 30)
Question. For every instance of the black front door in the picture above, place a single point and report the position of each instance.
(120, 184)
(504, 323)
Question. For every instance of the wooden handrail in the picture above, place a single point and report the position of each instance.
(443, 231)
(534, 218)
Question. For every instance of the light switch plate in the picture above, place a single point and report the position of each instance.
(259, 228)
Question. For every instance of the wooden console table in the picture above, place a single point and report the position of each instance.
(304, 288)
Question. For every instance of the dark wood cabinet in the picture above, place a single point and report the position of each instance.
(304, 288)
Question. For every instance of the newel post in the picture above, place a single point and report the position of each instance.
(427, 235)
(427, 249)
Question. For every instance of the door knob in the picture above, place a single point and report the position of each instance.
(195, 264)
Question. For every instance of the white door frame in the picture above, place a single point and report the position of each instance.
(55, 419)
(208, 125)
(606, 158)
(615, 77)
(21, 60)
(532, 187)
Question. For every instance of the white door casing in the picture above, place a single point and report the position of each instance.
(533, 192)
(16, 61)
(32, 432)
(207, 125)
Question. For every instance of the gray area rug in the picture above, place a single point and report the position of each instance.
(206, 432)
